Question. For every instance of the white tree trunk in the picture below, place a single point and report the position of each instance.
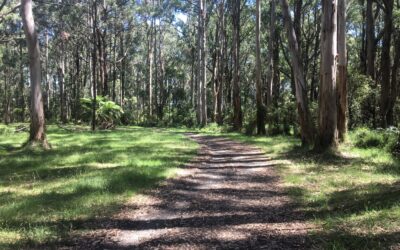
(37, 127)
(327, 120)
(300, 82)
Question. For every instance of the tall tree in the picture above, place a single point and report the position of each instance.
(371, 45)
(237, 106)
(342, 70)
(259, 92)
(94, 62)
(386, 63)
(394, 82)
(300, 82)
(37, 126)
(327, 120)
(202, 71)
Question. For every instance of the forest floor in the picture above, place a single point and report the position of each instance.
(228, 197)
(113, 189)
(45, 195)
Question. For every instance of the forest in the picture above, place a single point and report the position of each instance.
(199, 124)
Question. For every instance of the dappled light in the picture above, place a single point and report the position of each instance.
(84, 175)
(200, 124)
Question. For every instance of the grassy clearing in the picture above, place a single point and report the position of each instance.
(354, 197)
(43, 194)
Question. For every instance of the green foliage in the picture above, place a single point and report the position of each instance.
(396, 148)
(212, 128)
(363, 99)
(129, 107)
(383, 139)
(282, 118)
(108, 113)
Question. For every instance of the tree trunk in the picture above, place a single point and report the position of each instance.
(342, 71)
(37, 126)
(237, 107)
(46, 96)
(94, 61)
(150, 67)
(122, 73)
(162, 79)
(114, 68)
(214, 76)
(61, 79)
(21, 86)
(202, 76)
(259, 93)
(327, 134)
(300, 83)
(394, 81)
(271, 46)
(7, 97)
(221, 63)
(371, 48)
(363, 51)
(204, 66)
(385, 63)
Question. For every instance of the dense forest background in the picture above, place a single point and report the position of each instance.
(235, 63)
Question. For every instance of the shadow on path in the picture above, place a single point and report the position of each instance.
(228, 197)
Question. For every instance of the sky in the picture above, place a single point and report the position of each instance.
(181, 16)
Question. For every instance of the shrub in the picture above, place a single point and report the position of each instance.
(108, 113)
(381, 138)
(396, 148)
(6, 130)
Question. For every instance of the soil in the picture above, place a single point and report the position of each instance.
(229, 197)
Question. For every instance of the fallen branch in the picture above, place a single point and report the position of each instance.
(21, 129)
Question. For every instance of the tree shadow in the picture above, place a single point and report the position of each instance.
(82, 177)
(335, 209)
(221, 196)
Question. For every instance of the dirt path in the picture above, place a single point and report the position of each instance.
(228, 197)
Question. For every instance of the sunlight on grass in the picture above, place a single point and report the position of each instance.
(44, 193)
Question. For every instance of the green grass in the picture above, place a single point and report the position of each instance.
(44, 194)
(354, 198)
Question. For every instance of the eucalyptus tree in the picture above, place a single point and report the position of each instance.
(342, 70)
(259, 93)
(300, 82)
(236, 8)
(327, 119)
(37, 125)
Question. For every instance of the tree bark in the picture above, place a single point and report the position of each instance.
(202, 73)
(394, 81)
(385, 63)
(237, 107)
(259, 93)
(94, 61)
(37, 126)
(61, 79)
(21, 86)
(342, 71)
(371, 47)
(300, 83)
(327, 131)
(150, 60)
